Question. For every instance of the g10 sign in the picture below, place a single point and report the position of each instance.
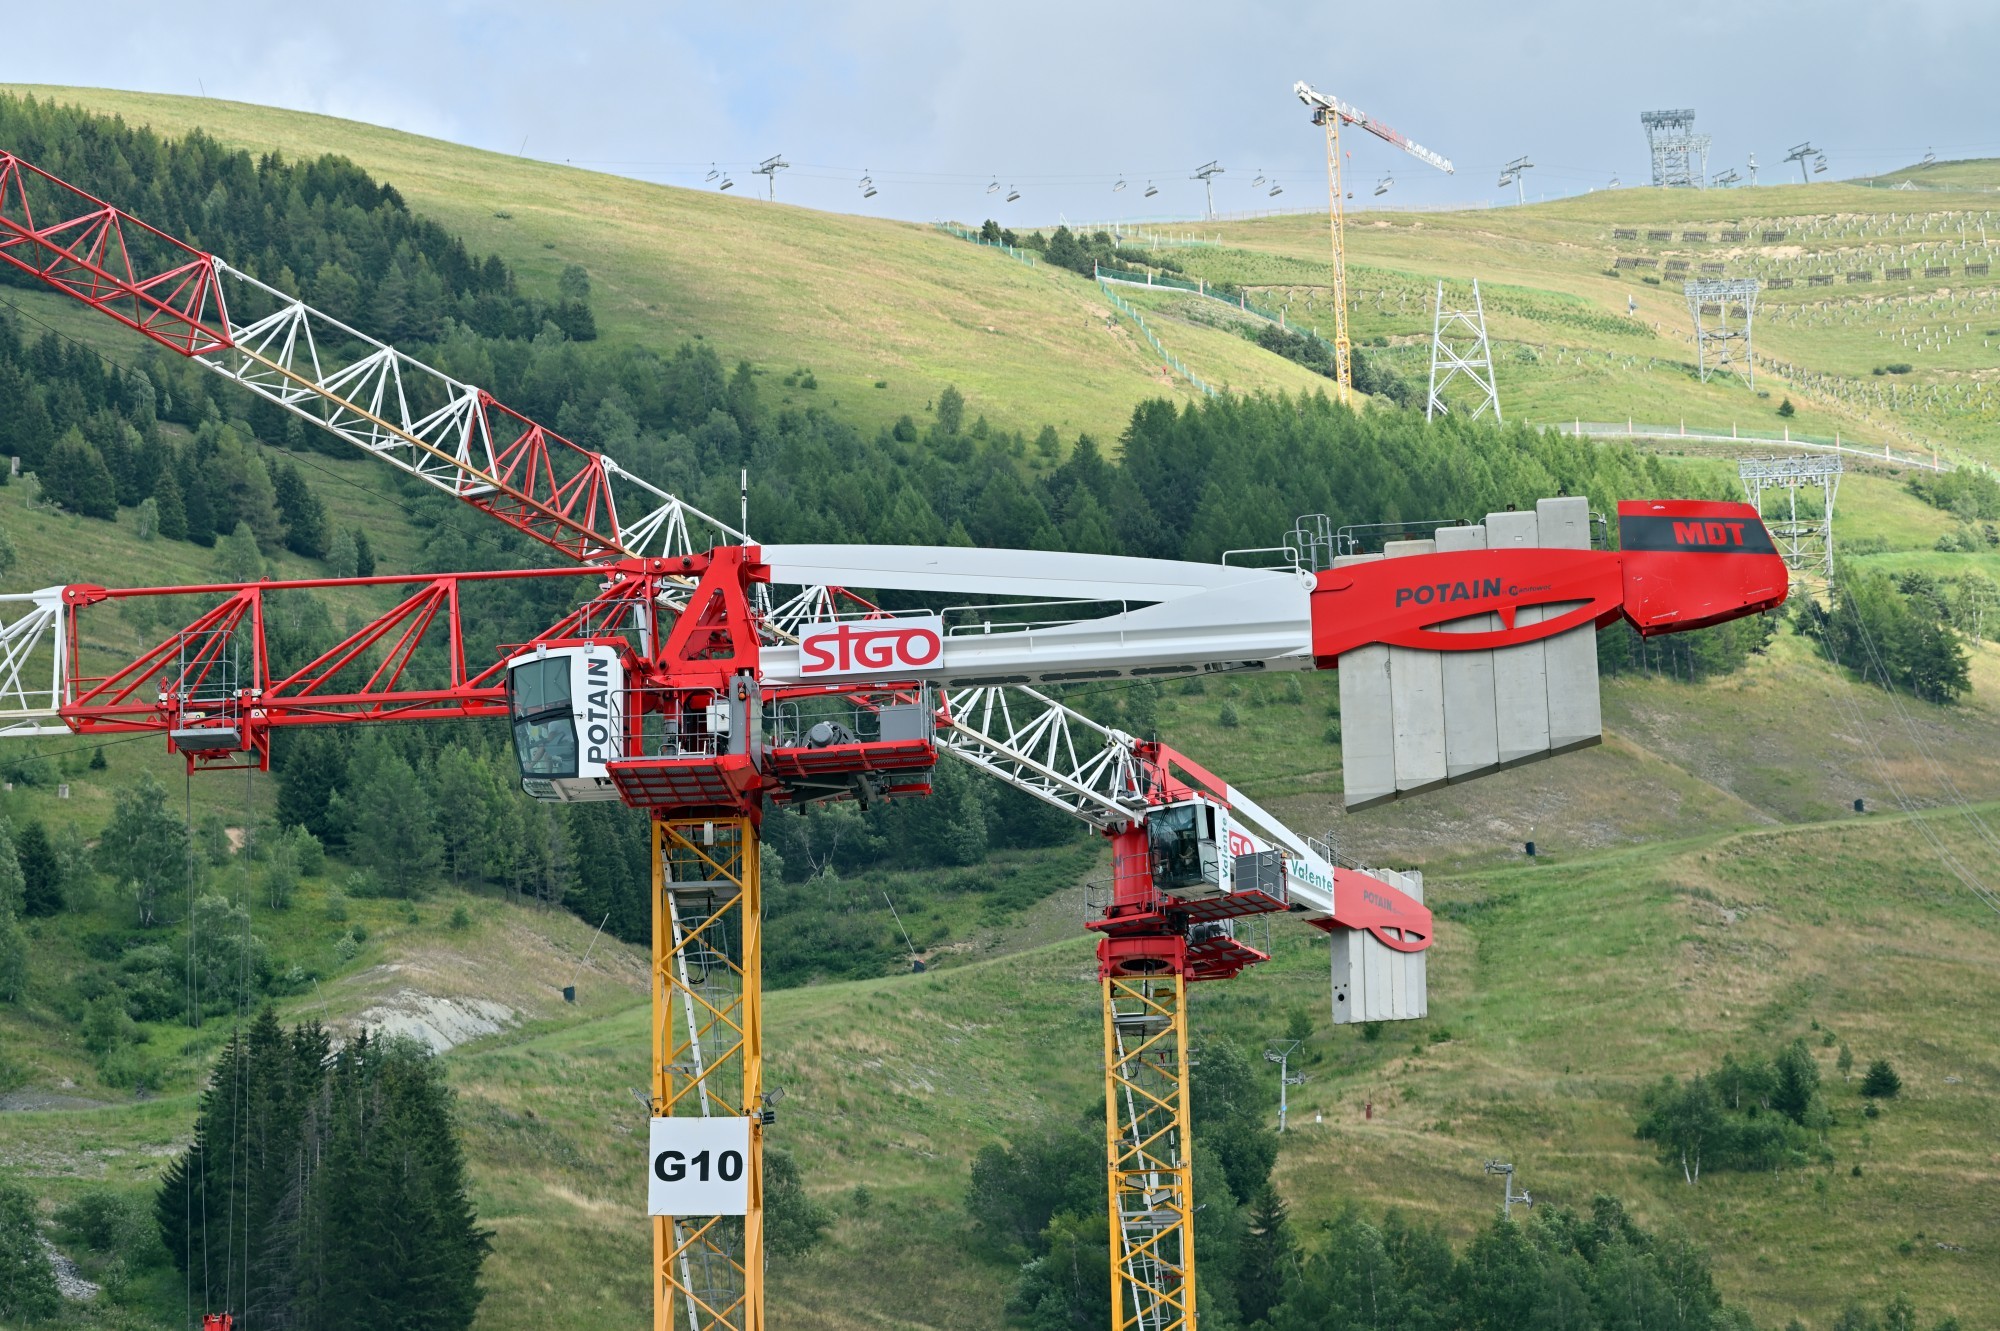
(698, 1166)
(900, 646)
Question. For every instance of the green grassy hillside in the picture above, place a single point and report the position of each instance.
(859, 302)
(1703, 885)
(1557, 300)
(863, 302)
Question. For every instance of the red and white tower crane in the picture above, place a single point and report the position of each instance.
(683, 684)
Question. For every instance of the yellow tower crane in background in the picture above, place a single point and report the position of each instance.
(1328, 112)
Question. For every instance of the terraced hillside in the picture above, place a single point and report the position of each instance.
(1880, 313)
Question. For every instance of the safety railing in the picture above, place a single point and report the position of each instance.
(1124, 307)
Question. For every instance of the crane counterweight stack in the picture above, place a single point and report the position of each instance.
(683, 685)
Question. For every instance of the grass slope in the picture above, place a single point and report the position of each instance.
(857, 300)
(1566, 346)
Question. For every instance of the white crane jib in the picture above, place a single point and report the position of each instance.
(1152, 616)
(1355, 116)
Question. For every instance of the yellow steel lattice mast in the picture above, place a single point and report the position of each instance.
(1328, 112)
(708, 1271)
(1147, 1145)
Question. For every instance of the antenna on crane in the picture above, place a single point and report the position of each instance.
(1328, 112)
(1205, 174)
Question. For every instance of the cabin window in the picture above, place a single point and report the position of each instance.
(538, 700)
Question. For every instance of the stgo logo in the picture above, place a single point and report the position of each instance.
(872, 647)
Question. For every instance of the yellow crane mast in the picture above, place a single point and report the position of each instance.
(1328, 112)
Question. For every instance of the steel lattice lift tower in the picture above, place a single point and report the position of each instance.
(1459, 347)
(1680, 156)
(1805, 542)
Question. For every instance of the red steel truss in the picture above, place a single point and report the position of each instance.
(456, 436)
(83, 247)
(208, 685)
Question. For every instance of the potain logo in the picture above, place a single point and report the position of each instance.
(871, 646)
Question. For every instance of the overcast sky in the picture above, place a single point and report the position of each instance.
(1061, 100)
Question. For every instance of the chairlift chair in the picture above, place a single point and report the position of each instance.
(1506, 180)
(1151, 189)
(1382, 185)
(1275, 190)
(994, 188)
(1615, 183)
(1118, 186)
(712, 173)
(1929, 158)
(1260, 178)
(727, 183)
(1013, 194)
(1819, 163)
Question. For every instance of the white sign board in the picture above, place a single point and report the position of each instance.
(902, 646)
(699, 1166)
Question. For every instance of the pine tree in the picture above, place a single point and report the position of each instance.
(1881, 1082)
(75, 478)
(173, 512)
(312, 767)
(195, 503)
(41, 872)
(304, 515)
(1267, 1254)
(388, 1236)
(364, 555)
(395, 831)
(1798, 1078)
(28, 1291)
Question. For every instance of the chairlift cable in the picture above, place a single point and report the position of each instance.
(1916, 737)
(1885, 775)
